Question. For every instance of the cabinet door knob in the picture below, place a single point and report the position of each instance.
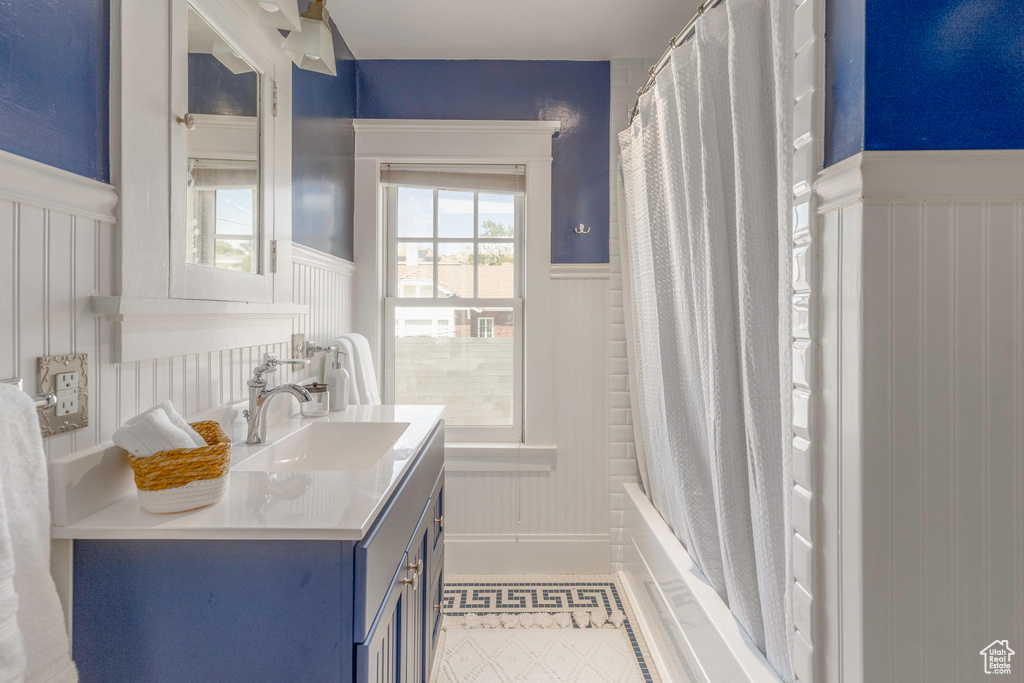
(418, 567)
(440, 521)
(188, 120)
(437, 606)
(414, 581)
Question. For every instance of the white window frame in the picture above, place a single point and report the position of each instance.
(528, 143)
(503, 434)
(490, 327)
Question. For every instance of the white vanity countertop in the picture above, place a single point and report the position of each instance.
(336, 505)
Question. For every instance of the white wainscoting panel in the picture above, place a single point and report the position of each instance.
(52, 260)
(923, 387)
(551, 519)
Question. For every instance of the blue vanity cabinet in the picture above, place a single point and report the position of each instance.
(163, 610)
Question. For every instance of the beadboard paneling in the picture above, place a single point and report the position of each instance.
(567, 503)
(923, 375)
(53, 261)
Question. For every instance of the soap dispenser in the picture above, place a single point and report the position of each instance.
(336, 378)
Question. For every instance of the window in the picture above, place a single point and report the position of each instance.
(453, 319)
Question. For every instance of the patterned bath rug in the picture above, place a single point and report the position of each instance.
(539, 628)
(538, 656)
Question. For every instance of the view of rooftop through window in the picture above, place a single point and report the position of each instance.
(457, 244)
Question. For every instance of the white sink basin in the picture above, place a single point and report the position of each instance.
(327, 447)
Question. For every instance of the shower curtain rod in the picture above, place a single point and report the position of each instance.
(676, 41)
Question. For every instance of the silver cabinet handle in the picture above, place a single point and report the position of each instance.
(188, 120)
(440, 521)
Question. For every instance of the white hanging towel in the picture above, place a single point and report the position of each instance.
(12, 650)
(362, 377)
(348, 355)
(23, 483)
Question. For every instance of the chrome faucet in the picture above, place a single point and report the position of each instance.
(259, 397)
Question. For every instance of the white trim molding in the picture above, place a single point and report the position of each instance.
(145, 329)
(31, 182)
(320, 259)
(984, 175)
(580, 271)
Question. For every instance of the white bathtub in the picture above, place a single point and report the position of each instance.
(692, 635)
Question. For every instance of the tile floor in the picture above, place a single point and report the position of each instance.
(556, 654)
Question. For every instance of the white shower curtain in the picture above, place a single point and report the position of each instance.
(706, 278)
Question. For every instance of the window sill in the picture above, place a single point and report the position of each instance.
(146, 328)
(498, 457)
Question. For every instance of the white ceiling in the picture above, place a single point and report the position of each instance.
(517, 29)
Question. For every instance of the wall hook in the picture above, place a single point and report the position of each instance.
(582, 230)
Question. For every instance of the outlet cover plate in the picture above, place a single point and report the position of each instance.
(57, 376)
(298, 350)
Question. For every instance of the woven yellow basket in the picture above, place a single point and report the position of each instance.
(185, 478)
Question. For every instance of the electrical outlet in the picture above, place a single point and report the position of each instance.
(67, 405)
(66, 381)
(67, 378)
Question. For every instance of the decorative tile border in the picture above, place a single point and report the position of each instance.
(462, 598)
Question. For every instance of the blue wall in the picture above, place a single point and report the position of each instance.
(323, 155)
(54, 83)
(931, 74)
(213, 89)
(844, 79)
(575, 93)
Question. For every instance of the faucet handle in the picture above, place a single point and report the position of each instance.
(270, 364)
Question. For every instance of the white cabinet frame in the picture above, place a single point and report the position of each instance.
(148, 88)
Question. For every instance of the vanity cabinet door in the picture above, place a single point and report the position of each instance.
(417, 599)
(382, 657)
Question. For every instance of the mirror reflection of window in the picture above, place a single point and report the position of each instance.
(223, 153)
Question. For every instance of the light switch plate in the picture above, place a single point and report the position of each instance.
(67, 378)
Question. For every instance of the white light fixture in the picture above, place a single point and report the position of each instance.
(227, 56)
(283, 14)
(312, 47)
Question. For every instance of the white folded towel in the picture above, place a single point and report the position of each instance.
(364, 377)
(156, 430)
(23, 480)
(178, 421)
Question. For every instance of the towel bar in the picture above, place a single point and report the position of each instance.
(43, 401)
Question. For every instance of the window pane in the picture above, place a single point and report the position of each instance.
(234, 255)
(454, 214)
(455, 270)
(414, 269)
(415, 212)
(497, 215)
(497, 270)
(454, 365)
(234, 211)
